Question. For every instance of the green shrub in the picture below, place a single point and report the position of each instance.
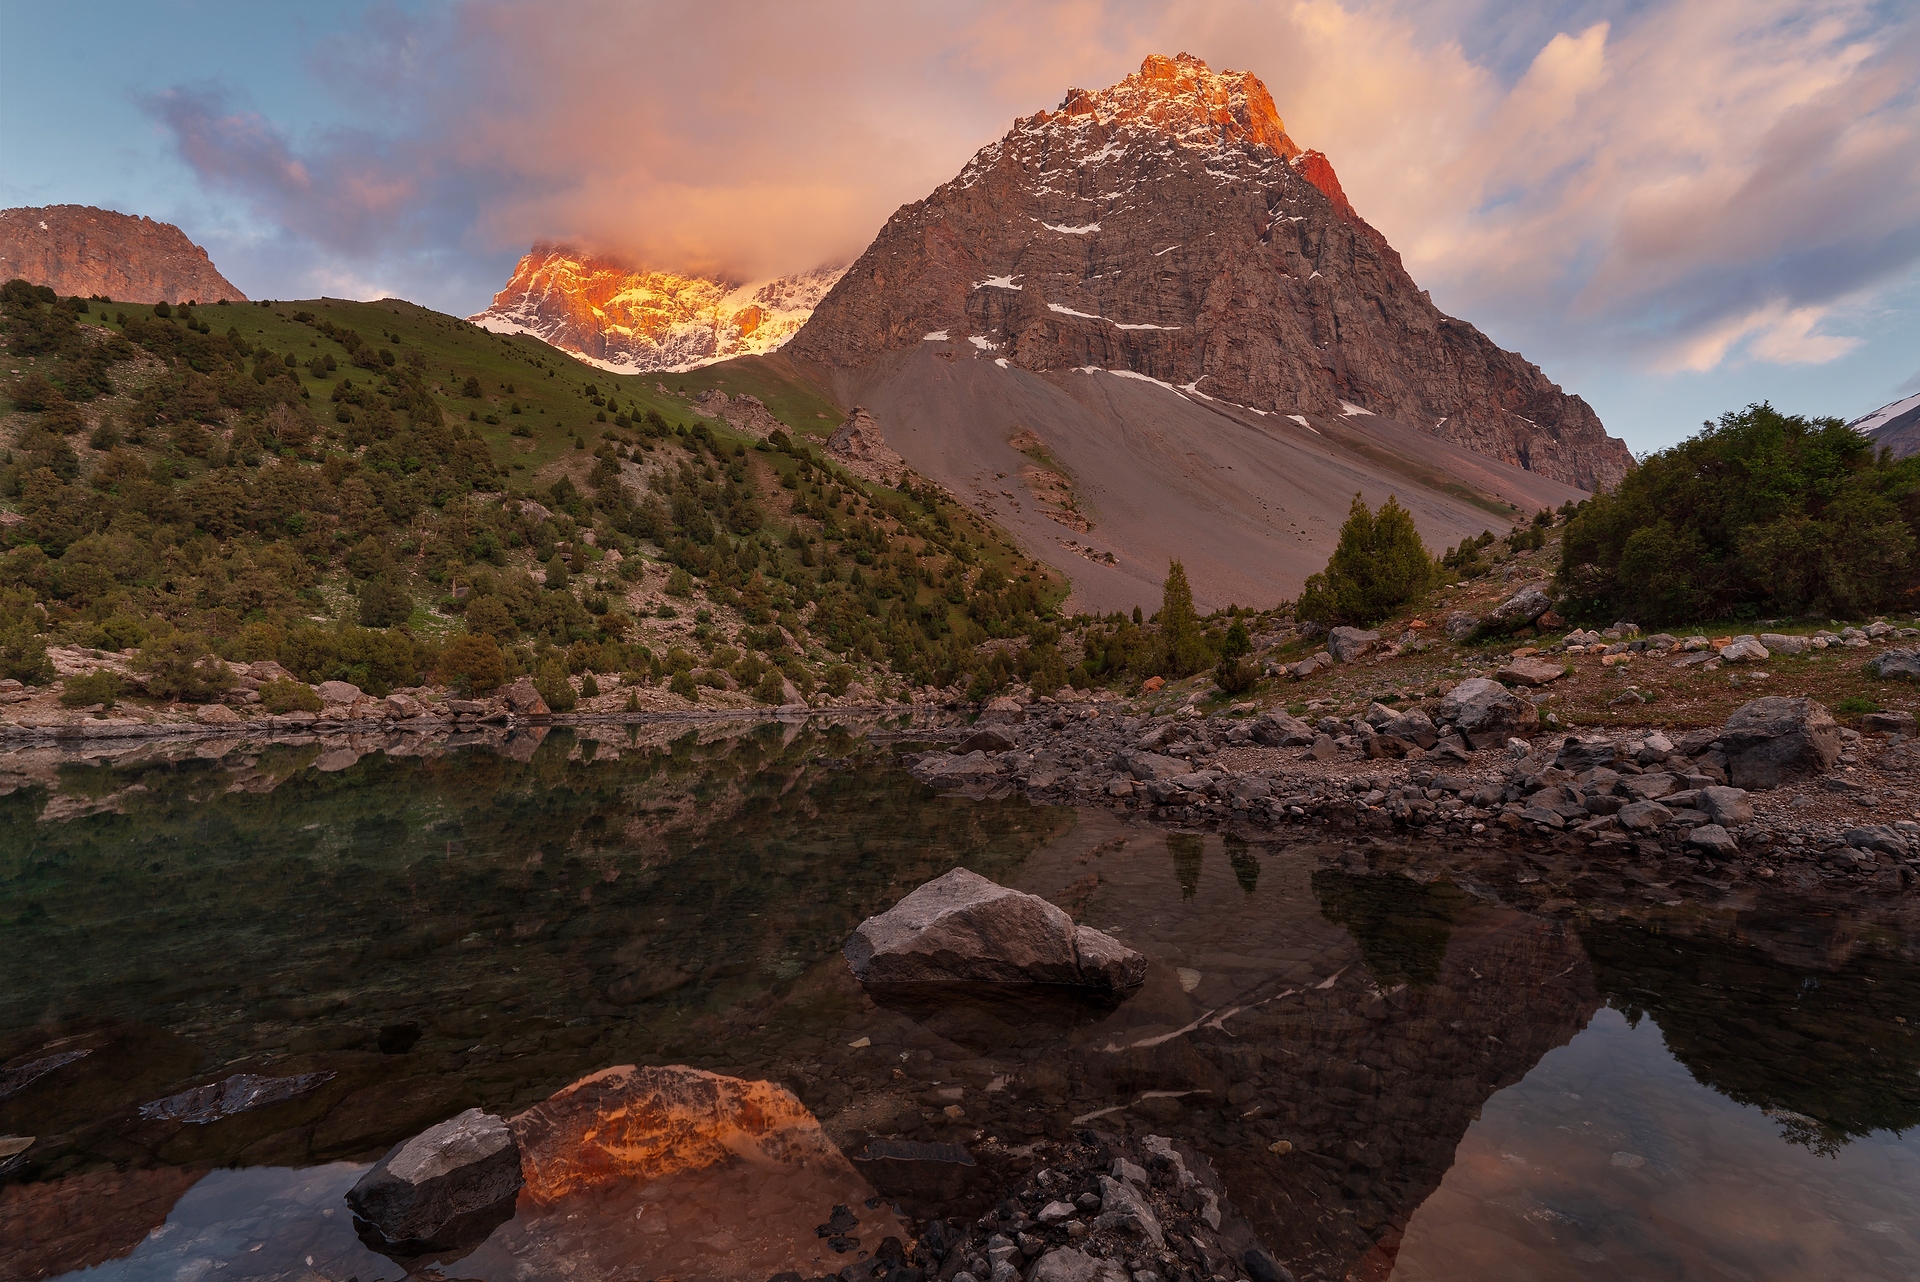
(281, 696)
(1237, 641)
(182, 666)
(772, 688)
(384, 602)
(682, 684)
(550, 679)
(589, 687)
(1854, 706)
(471, 664)
(100, 686)
(679, 583)
(1378, 566)
(1776, 513)
(1236, 676)
(838, 678)
(23, 654)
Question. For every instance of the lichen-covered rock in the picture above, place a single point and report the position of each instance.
(962, 928)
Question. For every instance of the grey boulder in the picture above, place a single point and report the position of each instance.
(962, 928)
(1777, 740)
(1278, 730)
(1578, 754)
(1348, 644)
(1522, 607)
(1486, 712)
(1901, 664)
(443, 1190)
(1727, 805)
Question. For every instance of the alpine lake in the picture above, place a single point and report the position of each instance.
(234, 973)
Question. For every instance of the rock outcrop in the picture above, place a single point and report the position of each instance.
(1247, 277)
(442, 1190)
(627, 320)
(964, 929)
(859, 444)
(77, 249)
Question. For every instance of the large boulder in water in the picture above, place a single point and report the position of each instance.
(442, 1191)
(964, 929)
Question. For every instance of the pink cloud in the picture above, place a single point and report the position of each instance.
(1690, 174)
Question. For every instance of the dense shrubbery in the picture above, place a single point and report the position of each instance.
(1378, 566)
(1761, 512)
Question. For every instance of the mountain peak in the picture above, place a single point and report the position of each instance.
(1187, 100)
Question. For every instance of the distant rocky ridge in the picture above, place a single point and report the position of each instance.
(80, 250)
(1167, 227)
(628, 321)
(1896, 426)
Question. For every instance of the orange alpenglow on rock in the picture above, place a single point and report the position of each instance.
(629, 1123)
(1189, 100)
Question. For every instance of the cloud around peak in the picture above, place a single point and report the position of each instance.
(1684, 184)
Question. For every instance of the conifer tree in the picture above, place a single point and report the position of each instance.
(1379, 565)
(1183, 649)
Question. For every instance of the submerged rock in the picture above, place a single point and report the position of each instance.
(241, 1093)
(964, 929)
(444, 1190)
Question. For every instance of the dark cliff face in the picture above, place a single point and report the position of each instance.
(79, 250)
(1168, 226)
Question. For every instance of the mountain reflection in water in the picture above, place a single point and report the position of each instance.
(1380, 1055)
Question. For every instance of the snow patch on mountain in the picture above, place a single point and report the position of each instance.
(1885, 414)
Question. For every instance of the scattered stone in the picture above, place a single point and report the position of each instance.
(1713, 839)
(216, 714)
(962, 928)
(1531, 672)
(1889, 723)
(1003, 710)
(444, 1189)
(339, 692)
(1640, 816)
(1728, 806)
(1744, 649)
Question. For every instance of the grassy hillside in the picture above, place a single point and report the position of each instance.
(346, 487)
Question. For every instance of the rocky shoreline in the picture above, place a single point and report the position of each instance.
(1780, 793)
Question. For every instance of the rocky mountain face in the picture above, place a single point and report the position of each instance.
(77, 249)
(628, 321)
(1168, 227)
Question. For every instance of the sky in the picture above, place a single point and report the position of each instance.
(1674, 207)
